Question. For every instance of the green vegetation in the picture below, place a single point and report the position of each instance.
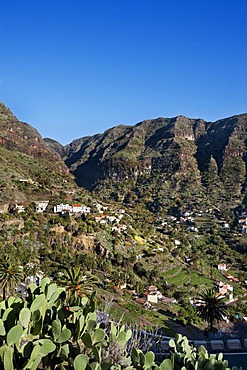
(51, 244)
(10, 275)
(42, 331)
(211, 307)
(77, 283)
(181, 185)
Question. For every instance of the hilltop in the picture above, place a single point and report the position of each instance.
(29, 168)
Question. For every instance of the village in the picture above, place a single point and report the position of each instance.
(152, 295)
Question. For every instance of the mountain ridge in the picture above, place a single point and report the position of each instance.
(154, 159)
(179, 149)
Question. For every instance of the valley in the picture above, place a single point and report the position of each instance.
(155, 212)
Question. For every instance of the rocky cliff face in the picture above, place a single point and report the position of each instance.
(160, 145)
(125, 151)
(155, 161)
(179, 150)
(225, 142)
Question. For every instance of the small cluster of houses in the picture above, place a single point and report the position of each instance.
(185, 218)
(113, 220)
(76, 208)
(224, 267)
(188, 218)
(231, 278)
(59, 208)
(151, 295)
(71, 209)
(224, 288)
(39, 205)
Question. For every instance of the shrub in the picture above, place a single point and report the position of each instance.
(42, 332)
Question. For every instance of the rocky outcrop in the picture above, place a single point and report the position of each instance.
(178, 149)
(29, 167)
(19, 136)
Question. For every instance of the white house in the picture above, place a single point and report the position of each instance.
(243, 221)
(111, 219)
(78, 208)
(62, 208)
(100, 217)
(41, 206)
(192, 228)
(86, 209)
(20, 208)
(100, 208)
(172, 218)
(186, 214)
(153, 294)
(122, 228)
(29, 181)
(222, 267)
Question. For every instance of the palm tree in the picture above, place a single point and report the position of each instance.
(10, 275)
(210, 306)
(77, 283)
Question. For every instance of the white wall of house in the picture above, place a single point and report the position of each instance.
(152, 298)
(62, 207)
(41, 206)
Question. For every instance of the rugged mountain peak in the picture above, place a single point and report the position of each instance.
(178, 150)
(29, 168)
(130, 151)
(5, 113)
(20, 136)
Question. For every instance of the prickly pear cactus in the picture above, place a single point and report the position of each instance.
(42, 332)
(184, 356)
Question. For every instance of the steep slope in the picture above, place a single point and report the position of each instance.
(178, 158)
(161, 144)
(224, 145)
(19, 136)
(29, 168)
(55, 146)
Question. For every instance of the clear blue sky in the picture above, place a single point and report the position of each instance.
(73, 68)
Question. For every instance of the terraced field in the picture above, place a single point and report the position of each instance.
(181, 276)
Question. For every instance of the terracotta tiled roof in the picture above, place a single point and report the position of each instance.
(152, 288)
(141, 300)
